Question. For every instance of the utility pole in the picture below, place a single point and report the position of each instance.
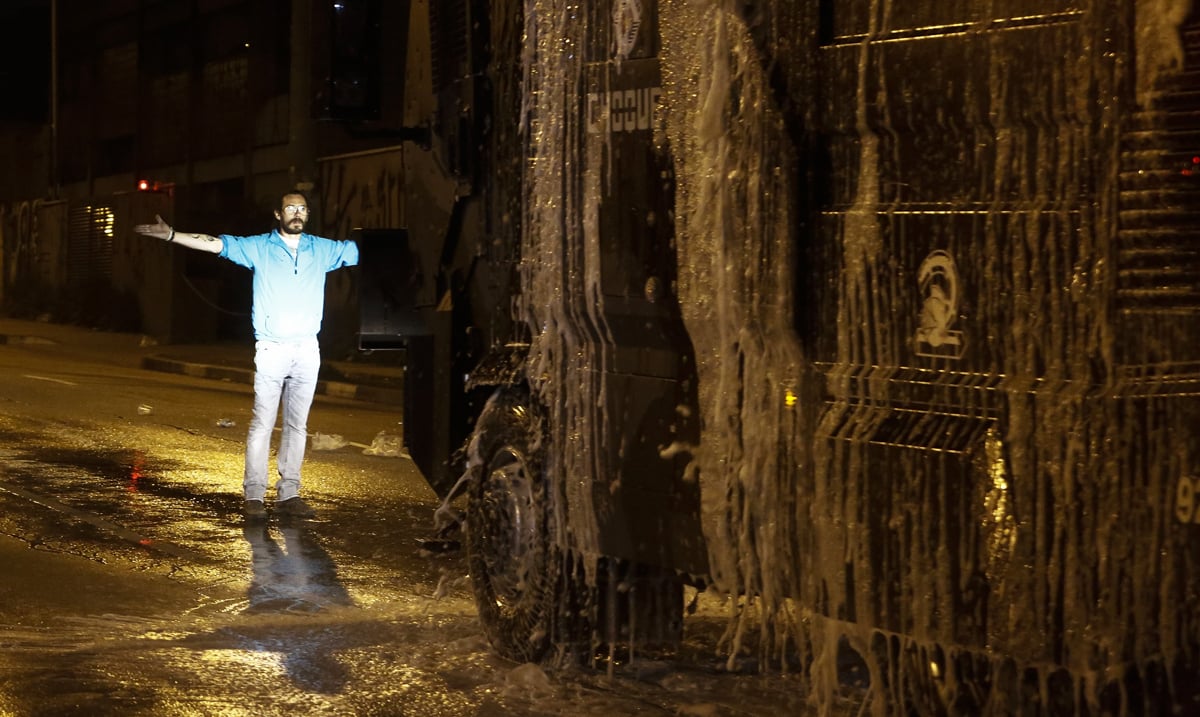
(301, 131)
(53, 173)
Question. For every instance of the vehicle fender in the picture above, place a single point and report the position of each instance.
(502, 366)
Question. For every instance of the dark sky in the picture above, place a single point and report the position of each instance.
(24, 60)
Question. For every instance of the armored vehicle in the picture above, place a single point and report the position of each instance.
(882, 319)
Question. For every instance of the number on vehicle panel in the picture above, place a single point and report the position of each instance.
(1186, 499)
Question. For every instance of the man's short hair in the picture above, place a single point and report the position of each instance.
(290, 192)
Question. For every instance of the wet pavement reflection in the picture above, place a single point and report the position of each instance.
(292, 574)
(134, 587)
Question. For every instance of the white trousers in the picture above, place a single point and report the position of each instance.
(283, 371)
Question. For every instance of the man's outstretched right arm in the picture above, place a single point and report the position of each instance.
(164, 231)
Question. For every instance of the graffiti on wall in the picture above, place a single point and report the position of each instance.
(361, 190)
(30, 236)
(18, 239)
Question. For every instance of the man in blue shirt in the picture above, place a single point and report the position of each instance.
(289, 301)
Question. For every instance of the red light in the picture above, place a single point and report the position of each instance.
(1196, 160)
(143, 185)
(135, 472)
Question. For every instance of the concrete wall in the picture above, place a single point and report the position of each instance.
(32, 257)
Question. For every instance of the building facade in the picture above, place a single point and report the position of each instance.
(203, 111)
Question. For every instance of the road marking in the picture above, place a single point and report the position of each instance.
(51, 380)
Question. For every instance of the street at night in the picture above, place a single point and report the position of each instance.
(133, 585)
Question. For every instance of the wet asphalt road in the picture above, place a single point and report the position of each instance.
(132, 585)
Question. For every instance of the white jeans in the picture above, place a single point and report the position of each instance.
(286, 370)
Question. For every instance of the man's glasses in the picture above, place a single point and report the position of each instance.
(295, 209)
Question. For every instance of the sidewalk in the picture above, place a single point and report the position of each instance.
(223, 361)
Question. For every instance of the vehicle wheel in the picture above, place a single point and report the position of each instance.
(513, 561)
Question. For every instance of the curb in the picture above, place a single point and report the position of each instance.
(336, 389)
(198, 370)
(360, 392)
(6, 339)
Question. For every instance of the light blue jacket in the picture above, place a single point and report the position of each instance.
(289, 292)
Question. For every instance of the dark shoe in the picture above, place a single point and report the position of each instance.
(254, 510)
(295, 507)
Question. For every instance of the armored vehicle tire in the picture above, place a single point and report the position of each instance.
(510, 554)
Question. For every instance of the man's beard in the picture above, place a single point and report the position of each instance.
(287, 226)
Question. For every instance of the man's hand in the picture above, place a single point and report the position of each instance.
(161, 230)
